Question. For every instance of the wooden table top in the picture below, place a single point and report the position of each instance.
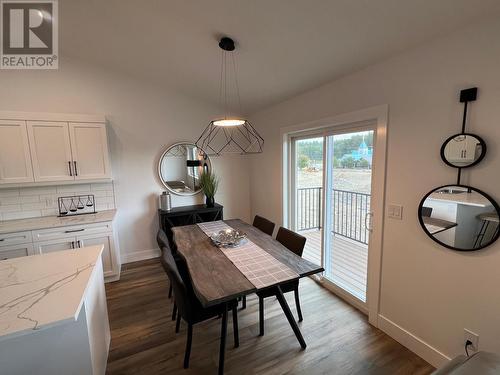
(214, 277)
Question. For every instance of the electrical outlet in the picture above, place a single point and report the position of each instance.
(395, 211)
(473, 338)
(49, 202)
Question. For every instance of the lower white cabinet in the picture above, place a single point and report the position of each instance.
(43, 241)
(16, 251)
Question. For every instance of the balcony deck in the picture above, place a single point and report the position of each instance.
(348, 264)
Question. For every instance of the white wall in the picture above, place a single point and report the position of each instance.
(143, 120)
(430, 291)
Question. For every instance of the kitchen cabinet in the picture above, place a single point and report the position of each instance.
(16, 251)
(48, 240)
(89, 147)
(50, 151)
(41, 149)
(461, 149)
(15, 160)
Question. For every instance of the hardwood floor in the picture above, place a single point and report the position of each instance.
(339, 338)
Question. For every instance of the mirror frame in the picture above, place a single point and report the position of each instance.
(481, 157)
(209, 163)
(421, 205)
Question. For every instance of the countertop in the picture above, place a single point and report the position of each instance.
(41, 291)
(469, 199)
(45, 222)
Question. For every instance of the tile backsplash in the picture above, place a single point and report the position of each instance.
(26, 202)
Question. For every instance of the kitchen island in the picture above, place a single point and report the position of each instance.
(53, 314)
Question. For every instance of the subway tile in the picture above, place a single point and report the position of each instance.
(73, 188)
(10, 200)
(30, 199)
(50, 212)
(32, 206)
(21, 215)
(5, 193)
(102, 186)
(10, 208)
(38, 190)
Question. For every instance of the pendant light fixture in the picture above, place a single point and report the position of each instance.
(229, 134)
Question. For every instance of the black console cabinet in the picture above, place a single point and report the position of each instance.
(187, 215)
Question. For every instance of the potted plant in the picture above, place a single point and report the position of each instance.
(209, 183)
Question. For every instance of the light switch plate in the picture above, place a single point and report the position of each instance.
(395, 211)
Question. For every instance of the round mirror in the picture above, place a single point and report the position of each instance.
(463, 150)
(459, 217)
(180, 168)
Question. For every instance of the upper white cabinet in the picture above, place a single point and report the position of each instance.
(43, 150)
(89, 146)
(15, 160)
(50, 151)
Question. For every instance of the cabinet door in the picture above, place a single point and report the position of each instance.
(50, 151)
(107, 254)
(16, 251)
(89, 145)
(55, 245)
(454, 151)
(15, 160)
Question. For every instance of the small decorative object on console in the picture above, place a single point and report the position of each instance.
(76, 205)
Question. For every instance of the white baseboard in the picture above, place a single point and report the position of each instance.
(412, 342)
(140, 255)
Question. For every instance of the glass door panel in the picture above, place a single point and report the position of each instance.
(348, 193)
(307, 164)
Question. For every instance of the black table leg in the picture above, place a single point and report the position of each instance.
(223, 333)
(289, 316)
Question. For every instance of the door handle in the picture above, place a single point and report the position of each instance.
(69, 167)
(76, 170)
(369, 228)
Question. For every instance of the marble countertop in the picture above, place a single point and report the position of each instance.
(41, 291)
(45, 222)
(469, 199)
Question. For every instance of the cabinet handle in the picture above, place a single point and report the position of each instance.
(2, 239)
(74, 230)
(79, 242)
(76, 170)
(72, 244)
(69, 167)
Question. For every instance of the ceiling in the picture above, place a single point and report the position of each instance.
(284, 47)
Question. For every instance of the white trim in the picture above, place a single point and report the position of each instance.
(412, 342)
(46, 116)
(379, 115)
(137, 256)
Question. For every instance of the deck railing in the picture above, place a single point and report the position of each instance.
(349, 210)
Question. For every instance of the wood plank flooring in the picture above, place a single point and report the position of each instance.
(339, 338)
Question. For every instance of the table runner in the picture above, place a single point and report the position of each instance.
(258, 266)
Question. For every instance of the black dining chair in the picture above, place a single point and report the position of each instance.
(263, 224)
(162, 240)
(295, 243)
(190, 308)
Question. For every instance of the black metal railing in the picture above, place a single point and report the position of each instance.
(349, 211)
(309, 208)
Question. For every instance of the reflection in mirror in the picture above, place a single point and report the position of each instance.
(463, 150)
(460, 217)
(180, 168)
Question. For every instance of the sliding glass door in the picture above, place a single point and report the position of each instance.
(330, 204)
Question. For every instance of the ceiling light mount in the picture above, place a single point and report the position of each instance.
(229, 134)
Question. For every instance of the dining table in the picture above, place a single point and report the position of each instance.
(220, 275)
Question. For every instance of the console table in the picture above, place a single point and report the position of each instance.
(187, 215)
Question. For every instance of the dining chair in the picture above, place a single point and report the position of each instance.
(162, 239)
(295, 243)
(263, 224)
(190, 308)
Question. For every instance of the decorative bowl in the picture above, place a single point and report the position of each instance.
(228, 238)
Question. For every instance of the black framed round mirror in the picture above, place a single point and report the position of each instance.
(460, 217)
(180, 167)
(463, 150)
